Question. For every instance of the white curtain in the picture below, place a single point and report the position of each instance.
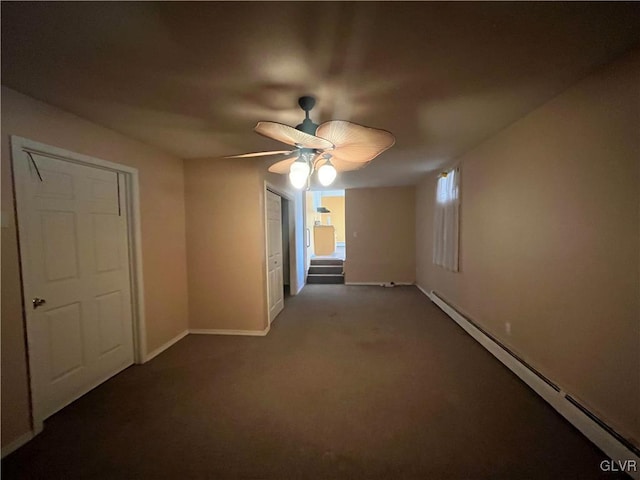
(446, 221)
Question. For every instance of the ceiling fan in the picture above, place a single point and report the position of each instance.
(334, 146)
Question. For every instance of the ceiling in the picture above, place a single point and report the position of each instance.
(194, 78)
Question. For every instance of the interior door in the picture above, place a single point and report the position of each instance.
(77, 291)
(274, 255)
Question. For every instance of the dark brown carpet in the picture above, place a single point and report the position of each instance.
(352, 382)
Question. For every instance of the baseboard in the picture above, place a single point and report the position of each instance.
(17, 443)
(423, 290)
(216, 331)
(591, 427)
(378, 284)
(162, 348)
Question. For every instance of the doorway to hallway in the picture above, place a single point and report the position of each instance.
(325, 222)
(326, 239)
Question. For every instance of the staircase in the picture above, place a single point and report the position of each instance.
(329, 270)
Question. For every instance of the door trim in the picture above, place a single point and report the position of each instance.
(268, 190)
(132, 197)
(293, 259)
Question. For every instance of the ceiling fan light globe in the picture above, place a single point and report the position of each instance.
(327, 174)
(299, 173)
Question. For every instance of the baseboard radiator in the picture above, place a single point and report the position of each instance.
(595, 429)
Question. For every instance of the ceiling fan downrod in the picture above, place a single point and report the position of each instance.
(307, 126)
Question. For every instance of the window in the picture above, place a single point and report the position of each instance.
(446, 220)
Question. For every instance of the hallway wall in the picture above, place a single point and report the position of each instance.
(549, 241)
(225, 245)
(380, 235)
(226, 249)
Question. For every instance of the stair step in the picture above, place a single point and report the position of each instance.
(327, 261)
(325, 278)
(335, 269)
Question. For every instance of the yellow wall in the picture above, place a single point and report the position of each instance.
(163, 236)
(336, 206)
(550, 241)
(380, 229)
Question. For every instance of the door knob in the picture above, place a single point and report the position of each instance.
(38, 302)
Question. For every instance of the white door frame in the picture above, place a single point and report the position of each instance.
(293, 260)
(307, 231)
(132, 196)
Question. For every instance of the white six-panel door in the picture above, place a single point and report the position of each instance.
(75, 254)
(275, 284)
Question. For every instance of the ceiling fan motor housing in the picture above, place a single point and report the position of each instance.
(306, 103)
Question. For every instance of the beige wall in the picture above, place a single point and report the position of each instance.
(226, 242)
(380, 230)
(225, 245)
(336, 206)
(549, 241)
(163, 236)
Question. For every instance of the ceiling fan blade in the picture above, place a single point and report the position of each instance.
(355, 143)
(282, 166)
(259, 154)
(289, 135)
